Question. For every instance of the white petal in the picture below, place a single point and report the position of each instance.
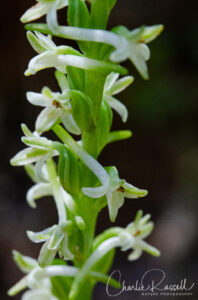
(39, 190)
(26, 130)
(137, 252)
(18, 287)
(69, 123)
(42, 61)
(46, 119)
(40, 9)
(95, 192)
(139, 54)
(24, 263)
(46, 41)
(110, 80)
(115, 200)
(26, 157)
(56, 239)
(122, 51)
(52, 21)
(148, 248)
(144, 49)
(120, 85)
(40, 169)
(118, 107)
(37, 99)
(42, 236)
(35, 12)
(37, 142)
(46, 256)
(67, 199)
(64, 251)
(127, 240)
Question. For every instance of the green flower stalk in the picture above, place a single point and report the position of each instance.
(67, 169)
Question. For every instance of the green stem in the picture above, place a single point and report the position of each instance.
(94, 89)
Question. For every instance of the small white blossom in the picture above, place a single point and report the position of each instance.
(44, 7)
(112, 87)
(134, 235)
(59, 57)
(133, 46)
(115, 191)
(128, 44)
(39, 286)
(57, 108)
(39, 149)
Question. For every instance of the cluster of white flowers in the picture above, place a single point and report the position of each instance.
(38, 156)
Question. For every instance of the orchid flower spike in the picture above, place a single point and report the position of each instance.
(115, 192)
(57, 108)
(44, 7)
(112, 87)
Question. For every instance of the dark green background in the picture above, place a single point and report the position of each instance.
(162, 155)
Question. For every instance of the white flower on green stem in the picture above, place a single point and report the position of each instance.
(131, 237)
(59, 57)
(55, 237)
(133, 46)
(115, 191)
(114, 188)
(40, 287)
(128, 44)
(44, 7)
(112, 87)
(55, 240)
(57, 108)
(39, 149)
(48, 53)
(37, 279)
(134, 236)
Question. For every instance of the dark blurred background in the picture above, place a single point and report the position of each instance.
(162, 155)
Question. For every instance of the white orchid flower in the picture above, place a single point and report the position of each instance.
(55, 237)
(134, 236)
(55, 240)
(115, 192)
(30, 267)
(57, 108)
(44, 7)
(59, 57)
(127, 238)
(127, 44)
(39, 149)
(48, 53)
(114, 188)
(37, 279)
(112, 87)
